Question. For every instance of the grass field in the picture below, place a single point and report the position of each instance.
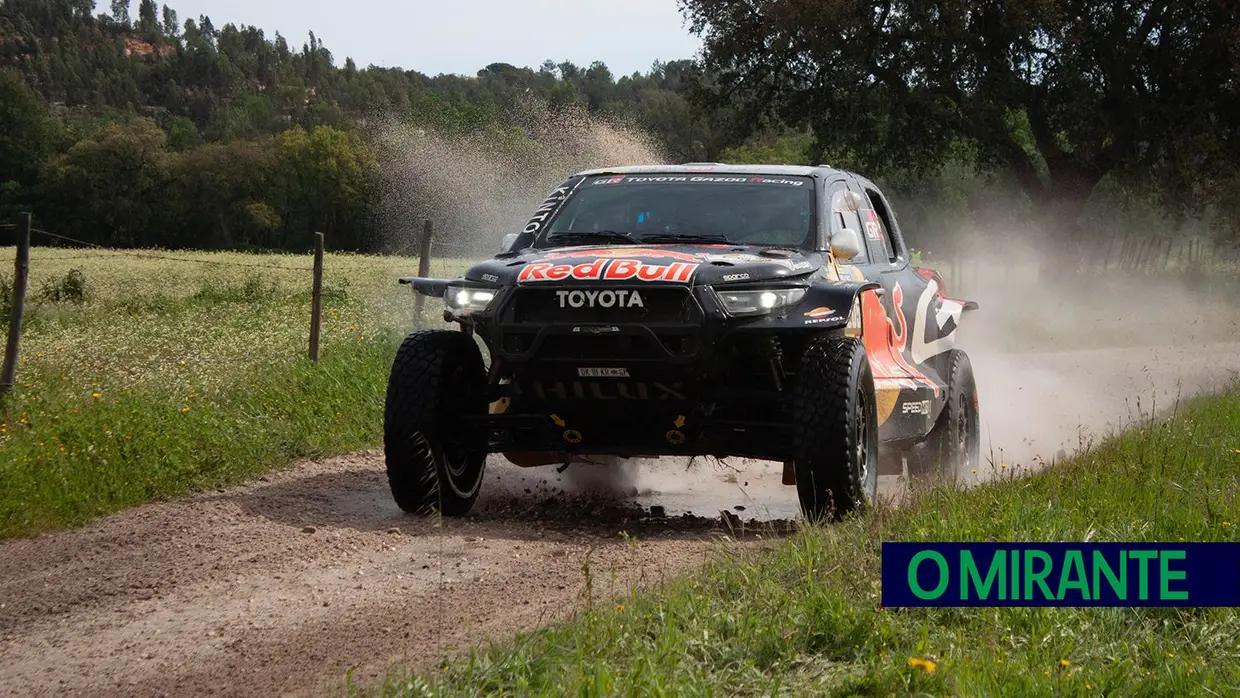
(804, 618)
(152, 374)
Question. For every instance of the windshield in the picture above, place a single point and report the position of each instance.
(744, 209)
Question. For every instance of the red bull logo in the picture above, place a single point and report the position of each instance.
(886, 346)
(608, 270)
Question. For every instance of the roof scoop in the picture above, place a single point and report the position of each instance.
(777, 253)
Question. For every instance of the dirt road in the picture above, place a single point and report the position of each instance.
(283, 585)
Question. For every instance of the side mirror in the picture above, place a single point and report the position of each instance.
(846, 244)
(853, 201)
(509, 239)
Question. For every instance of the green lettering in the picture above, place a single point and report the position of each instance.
(1015, 575)
(944, 577)
(1165, 575)
(969, 573)
(1118, 584)
(1038, 577)
(1073, 563)
(1144, 577)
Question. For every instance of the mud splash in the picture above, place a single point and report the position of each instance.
(479, 185)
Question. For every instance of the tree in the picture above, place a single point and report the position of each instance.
(109, 188)
(120, 12)
(329, 176)
(218, 190)
(171, 28)
(148, 18)
(28, 133)
(1060, 93)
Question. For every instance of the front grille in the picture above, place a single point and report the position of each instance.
(627, 347)
(605, 305)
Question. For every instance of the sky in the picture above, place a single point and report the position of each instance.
(464, 36)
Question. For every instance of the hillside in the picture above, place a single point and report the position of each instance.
(149, 131)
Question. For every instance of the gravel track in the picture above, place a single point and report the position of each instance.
(284, 585)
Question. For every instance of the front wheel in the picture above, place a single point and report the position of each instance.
(836, 429)
(435, 455)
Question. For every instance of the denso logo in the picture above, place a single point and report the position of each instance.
(608, 270)
(600, 299)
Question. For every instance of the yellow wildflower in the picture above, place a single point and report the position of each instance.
(95, 395)
(926, 665)
(1064, 663)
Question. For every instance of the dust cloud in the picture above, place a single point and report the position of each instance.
(602, 476)
(1062, 365)
(479, 185)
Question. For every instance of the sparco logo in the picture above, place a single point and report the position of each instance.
(600, 299)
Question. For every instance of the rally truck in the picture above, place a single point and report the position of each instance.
(764, 312)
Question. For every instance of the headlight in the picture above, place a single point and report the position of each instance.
(466, 301)
(758, 302)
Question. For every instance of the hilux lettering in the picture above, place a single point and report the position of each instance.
(609, 390)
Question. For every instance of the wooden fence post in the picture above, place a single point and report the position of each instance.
(22, 268)
(424, 263)
(316, 298)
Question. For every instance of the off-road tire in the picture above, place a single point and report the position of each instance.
(435, 458)
(953, 446)
(835, 429)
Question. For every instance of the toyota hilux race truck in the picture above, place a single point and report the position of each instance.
(765, 312)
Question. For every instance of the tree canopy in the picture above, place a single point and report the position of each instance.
(130, 129)
(134, 127)
(1058, 93)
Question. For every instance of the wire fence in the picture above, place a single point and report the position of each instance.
(86, 250)
(463, 250)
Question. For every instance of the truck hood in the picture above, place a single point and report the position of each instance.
(687, 264)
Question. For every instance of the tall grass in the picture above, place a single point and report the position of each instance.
(144, 378)
(804, 618)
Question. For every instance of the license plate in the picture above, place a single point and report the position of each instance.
(603, 372)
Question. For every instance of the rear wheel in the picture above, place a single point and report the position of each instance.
(435, 456)
(953, 447)
(836, 429)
